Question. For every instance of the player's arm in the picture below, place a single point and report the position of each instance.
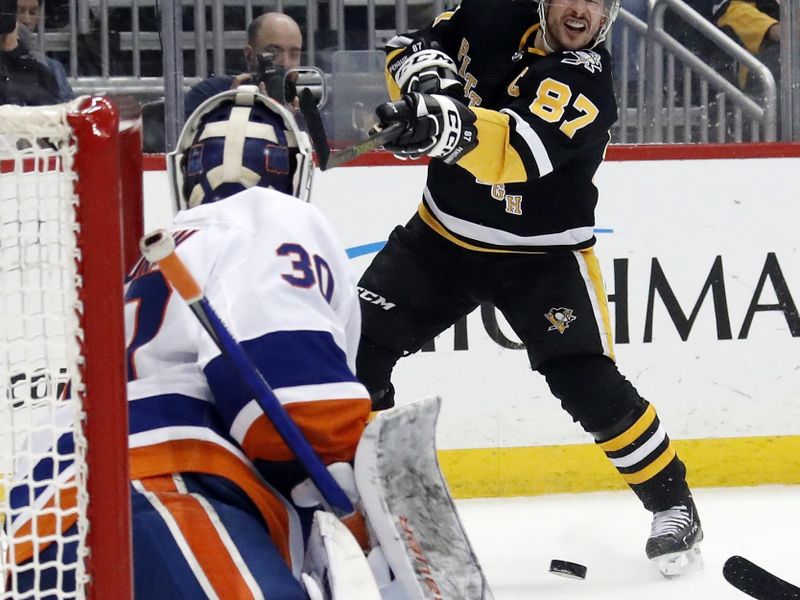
(424, 61)
(551, 120)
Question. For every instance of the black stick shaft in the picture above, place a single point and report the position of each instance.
(319, 139)
(756, 582)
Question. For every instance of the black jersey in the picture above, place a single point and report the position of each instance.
(543, 127)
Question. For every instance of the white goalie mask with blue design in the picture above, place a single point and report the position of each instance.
(237, 140)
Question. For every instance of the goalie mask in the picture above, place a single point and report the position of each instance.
(237, 140)
(609, 9)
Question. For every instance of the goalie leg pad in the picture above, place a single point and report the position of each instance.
(410, 509)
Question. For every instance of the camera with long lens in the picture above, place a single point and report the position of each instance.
(279, 87)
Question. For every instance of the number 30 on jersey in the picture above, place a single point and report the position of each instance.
(307, 270)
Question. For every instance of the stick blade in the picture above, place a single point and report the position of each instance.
(756, 582)
(411, 510)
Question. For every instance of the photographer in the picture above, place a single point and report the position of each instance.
(274, 43)
(23, 79)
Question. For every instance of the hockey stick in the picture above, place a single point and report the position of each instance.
(159, 248)
(319, 139)
(754, 581)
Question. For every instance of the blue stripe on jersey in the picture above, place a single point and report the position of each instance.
(285, 359)
(172, 410)
(44, 473)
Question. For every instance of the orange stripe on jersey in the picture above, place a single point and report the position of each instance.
(344, 422)
(204, 457)
(50, 519)
(202, 538)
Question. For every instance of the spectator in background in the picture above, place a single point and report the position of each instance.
(29, 13)
(24, 80)
(755, 25)
(29, 16)
(271, 32)
(751, 23)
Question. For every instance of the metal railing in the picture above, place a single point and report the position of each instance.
(702, 114)
(630, 77)
(790, 70)
(159, 48)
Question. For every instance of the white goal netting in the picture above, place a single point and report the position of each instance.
(42, 446)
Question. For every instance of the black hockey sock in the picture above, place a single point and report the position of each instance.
(641, 451)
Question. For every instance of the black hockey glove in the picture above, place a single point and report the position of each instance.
(424, 68)
(436, 126)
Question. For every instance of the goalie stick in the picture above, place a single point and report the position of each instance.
(319, 139)
(754, 581)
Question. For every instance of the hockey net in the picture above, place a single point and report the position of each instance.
(63, 429)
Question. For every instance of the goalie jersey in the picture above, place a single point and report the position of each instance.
(274, 271)
(543, 125)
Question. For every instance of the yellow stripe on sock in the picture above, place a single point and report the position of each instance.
(630, 435)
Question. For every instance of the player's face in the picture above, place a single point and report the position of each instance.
(28, 13)
(573, 24)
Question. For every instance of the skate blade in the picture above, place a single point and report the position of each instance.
(679, 563)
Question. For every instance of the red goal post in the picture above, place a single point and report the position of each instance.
(66, 172)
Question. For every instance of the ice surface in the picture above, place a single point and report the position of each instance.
(515, 539)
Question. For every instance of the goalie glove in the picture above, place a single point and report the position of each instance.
(436, 126)
(427, 70)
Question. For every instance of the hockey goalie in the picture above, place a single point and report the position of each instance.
(221, 505)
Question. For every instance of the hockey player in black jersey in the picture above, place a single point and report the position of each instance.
(513, 102)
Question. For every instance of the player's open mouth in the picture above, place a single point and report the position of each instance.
(575, 25)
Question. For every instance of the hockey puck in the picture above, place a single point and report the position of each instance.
(568, 569)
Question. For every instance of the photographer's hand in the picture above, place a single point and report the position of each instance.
(241, 79)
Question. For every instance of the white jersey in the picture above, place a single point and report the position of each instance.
(274, 271)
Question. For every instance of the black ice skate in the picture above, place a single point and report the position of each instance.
(673, 540)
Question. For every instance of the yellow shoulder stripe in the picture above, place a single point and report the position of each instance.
(445, 16)
(391, 84)
(494, 160)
